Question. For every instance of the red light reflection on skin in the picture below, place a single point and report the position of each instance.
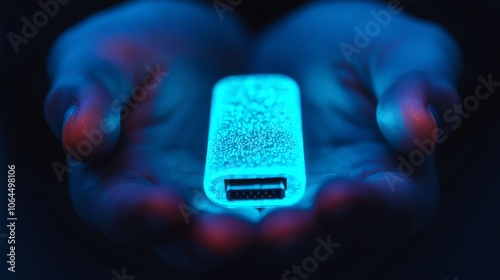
(334, 200)
(283, 228)
(83, 119)
(223, 234)
(415, 112)
(164, 205)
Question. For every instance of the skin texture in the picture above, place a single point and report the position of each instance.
(141, 182)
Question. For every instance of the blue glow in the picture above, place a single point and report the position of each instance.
(255, 132)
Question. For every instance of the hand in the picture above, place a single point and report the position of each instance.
(363, 108)
(130, 102)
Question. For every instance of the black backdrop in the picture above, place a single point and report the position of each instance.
(462, 242)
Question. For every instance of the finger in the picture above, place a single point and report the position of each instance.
(80, 113)
(126, 208)
(223, 234)
(413, 78)
(209, 241)
(372, 211)
(283, 230)
(217, 234)
(91, 79)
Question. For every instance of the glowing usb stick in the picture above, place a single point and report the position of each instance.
(255, 153)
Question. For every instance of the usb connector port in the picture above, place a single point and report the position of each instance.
(252, 189)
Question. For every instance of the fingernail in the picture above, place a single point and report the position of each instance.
(67, 115)
(434, 113)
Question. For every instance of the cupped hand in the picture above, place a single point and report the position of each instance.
(130, 102)
(375, 83)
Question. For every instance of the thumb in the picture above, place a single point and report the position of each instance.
(83, 114)
(413, 81)
(409, 111)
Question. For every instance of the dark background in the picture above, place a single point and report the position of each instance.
(463, 241)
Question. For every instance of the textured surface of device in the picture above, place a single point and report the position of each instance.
(255, 153)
